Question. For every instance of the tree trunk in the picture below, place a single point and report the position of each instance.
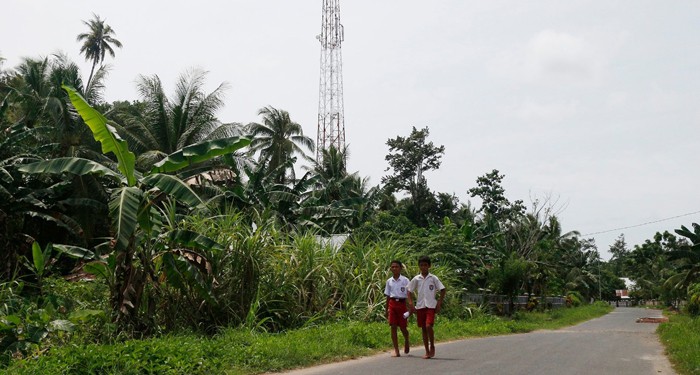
(87, 85)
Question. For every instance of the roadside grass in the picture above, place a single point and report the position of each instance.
(239, 351)
(681, 337)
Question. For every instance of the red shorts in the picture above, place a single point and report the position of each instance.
(396, 310)
(425, 317)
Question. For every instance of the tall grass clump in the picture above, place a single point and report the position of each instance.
(270, 280)
(234, 273)
(298, 284)
(363, 268)
(264, 278)
(308, 281)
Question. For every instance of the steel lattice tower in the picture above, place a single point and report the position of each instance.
(331, 120)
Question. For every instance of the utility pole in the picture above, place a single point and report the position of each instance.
(331, 119)
(600, 293)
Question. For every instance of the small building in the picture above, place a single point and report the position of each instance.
(624, 293)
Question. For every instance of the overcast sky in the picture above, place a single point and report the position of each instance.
(591, 103)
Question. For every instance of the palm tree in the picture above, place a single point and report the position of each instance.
(341, 201)
(97, 42)
(334, 179)
(39, 104)
(158, 126)
(278, 139)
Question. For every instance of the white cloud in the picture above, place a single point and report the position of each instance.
(557, 55)
(617, 99)
(531, 110)
(664, 100)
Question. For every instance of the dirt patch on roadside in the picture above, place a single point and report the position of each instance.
(653, 320)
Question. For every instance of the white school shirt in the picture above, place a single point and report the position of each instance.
(425, 287)
(396, 288)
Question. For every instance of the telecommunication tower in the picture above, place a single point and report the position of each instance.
(331, 120)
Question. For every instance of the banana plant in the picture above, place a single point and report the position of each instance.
(136, 221)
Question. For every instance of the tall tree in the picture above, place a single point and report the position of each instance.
(649, 267)
(97, 42)
(494, 202)
(620, 254)
(409, 158)
(279, 139)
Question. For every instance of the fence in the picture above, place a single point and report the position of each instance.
(501, 304)
(646, 302)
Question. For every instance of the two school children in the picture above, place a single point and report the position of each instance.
(399, 292)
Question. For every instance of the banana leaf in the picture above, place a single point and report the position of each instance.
(75, 251)
(198, 153)
(105, 134)
(173, 186)
(123, 210)
(193, 240)
(76, 166)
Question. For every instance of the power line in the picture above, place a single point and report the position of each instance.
(639, 225)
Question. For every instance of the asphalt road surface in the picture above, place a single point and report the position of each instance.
(612, 344)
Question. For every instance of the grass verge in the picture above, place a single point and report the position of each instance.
(681, 337)
(244, 352)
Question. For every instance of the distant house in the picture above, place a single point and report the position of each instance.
(217, 176)
(334, 240)
(624, 293)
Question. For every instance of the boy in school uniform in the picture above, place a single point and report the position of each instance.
(426, 285)
(395, 291)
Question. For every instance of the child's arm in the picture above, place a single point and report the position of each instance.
(439, 302)
(409, 298)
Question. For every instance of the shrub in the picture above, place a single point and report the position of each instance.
(573, 299)
(68, 311)
(693, 306)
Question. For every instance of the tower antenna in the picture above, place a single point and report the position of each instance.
(331, 119)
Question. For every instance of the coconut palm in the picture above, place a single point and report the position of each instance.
(97, 42)
(334, 182)
(279, 139)
(37, 102)
(340, 200)
(158, 125)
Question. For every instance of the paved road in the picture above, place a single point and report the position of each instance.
(612, 344)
